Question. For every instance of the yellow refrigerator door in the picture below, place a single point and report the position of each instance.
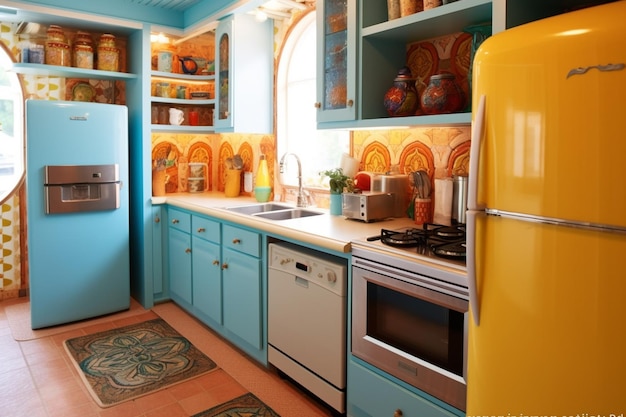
(553, 143)
(552, 332)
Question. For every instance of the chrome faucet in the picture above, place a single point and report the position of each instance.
(301, 199)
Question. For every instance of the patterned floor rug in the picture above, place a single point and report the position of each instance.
(121, 364)
(245, 406)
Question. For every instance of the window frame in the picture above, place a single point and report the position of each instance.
(18, 95)
(318, 184)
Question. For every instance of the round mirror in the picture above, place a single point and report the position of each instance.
(11, 126)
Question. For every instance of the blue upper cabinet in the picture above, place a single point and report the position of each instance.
(336, 60)
(244, 66)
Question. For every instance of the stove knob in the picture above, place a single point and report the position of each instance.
(331, 276)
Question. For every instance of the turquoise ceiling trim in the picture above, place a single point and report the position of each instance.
(124, 9)
(217, 9)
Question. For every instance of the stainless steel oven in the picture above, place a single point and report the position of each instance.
(410, 318)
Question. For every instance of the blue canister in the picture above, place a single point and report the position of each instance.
(164, 62)
(36, 54)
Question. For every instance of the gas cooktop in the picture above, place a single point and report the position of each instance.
(434, 250)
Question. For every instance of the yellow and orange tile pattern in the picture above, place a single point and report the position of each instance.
(10, 279)
(442, 152)
(213, 150)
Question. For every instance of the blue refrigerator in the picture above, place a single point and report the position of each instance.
(77, 210)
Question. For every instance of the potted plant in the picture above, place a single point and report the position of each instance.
(337, 184)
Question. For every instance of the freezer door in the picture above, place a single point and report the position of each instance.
(553, 142)
(552, 329)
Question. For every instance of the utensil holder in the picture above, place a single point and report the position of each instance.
(159, 178)
(423, 211)
(232, 183)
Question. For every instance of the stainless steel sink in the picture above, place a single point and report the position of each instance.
(293, 213)
(259, 208)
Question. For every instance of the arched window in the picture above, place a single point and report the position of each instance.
(296, 114)
(11, 126)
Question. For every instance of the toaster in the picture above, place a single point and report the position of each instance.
(368, 206)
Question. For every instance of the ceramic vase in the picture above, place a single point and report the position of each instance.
(336, 204)
(442, 95)
(402, 99)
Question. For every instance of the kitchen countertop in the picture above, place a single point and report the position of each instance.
(326, 231)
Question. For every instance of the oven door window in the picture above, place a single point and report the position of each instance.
(415, 326)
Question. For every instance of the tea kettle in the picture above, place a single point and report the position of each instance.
(188, 65)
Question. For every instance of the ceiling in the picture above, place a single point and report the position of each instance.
(179, 17)
(176, 5)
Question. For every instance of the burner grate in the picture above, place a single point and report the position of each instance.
(444, 241)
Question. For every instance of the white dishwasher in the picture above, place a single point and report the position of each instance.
(307, 319)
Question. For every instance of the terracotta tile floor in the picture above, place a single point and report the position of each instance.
(37, 378)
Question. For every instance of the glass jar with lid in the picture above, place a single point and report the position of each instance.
(108, 53)
(83, 50)
(57, 49)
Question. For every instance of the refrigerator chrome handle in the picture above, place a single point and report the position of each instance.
(470, 232)
(478, 130)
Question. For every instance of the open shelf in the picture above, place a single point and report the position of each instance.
(431, 23)
(448, 120)
(180, 101)
(182, 77)
(70, 72)
(182, 129)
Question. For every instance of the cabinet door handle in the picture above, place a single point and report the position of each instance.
(188, 250)
(216, 262)
(157, 219)
(236, 241)
(175, 221)
(397, 413)
(224, 266)
(350, 103)
(318, 105)
(201, 230)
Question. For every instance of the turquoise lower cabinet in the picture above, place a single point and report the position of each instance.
(159, 288)
(216, 273)
(372, 395)
(207, 279)
(242, 284)
(179, 256)
(242, 296)
(206, 267)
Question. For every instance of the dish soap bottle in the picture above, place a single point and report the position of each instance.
(263, 187)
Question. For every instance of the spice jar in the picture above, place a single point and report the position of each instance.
(57, 48)
(442, 95)
(108, 54)
(83, 50)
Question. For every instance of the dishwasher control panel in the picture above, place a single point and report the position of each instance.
(316, 267)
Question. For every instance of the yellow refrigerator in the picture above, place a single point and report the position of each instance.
(546, 220)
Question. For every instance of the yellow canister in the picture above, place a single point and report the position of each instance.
(83, 50)
(108, 54)
(232, 182)
(57, 48)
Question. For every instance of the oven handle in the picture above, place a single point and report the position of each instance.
(425, 284)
